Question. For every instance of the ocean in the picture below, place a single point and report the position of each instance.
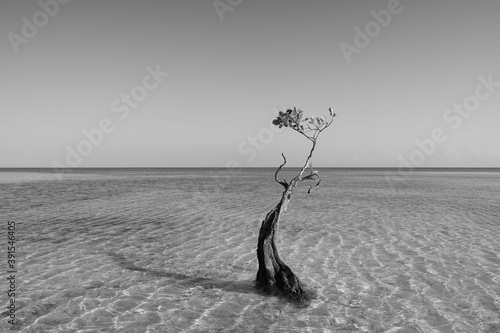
(174, 250)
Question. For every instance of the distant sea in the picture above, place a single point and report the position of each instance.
(174, 250)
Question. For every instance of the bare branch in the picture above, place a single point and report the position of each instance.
(307, 136)
(298, 178)
(297, 129)
(313, 176)
(283, 183)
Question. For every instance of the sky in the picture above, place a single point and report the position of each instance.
(121, 83)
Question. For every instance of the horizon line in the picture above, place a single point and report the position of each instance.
(248, 167)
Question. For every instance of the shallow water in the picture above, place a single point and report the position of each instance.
(173, 250)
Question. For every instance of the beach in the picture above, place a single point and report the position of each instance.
(174, 250)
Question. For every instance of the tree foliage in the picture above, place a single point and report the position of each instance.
(310, 127)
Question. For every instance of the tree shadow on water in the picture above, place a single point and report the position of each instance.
(242, 286)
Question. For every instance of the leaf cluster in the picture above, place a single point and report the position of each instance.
(290, 118)
(294, 119)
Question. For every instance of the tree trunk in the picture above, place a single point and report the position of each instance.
(274, 273)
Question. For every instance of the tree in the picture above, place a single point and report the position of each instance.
(273, 272)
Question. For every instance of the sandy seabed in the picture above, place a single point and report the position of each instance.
(174, 251)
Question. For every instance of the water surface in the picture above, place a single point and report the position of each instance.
(174, 250)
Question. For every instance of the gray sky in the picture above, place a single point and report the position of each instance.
(229, 70)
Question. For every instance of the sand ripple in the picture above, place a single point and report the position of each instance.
(174, 251)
